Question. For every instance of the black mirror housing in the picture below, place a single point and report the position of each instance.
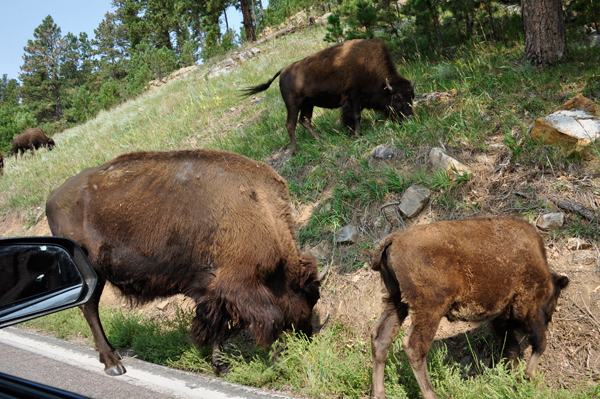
(42, 275)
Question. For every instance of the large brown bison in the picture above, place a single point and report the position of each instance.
(212, 225)
(472, 270)
(31, 139)
(353, 75)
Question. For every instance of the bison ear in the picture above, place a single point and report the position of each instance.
(561, 281)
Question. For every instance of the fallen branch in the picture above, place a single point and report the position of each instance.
(275, 35)
(575, 207)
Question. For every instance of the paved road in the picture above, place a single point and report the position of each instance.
(76, 368)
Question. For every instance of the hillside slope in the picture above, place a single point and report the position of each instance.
(338, 183)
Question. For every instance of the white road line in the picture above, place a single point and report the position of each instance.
(183, 388)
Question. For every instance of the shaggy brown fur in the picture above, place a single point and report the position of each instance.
(213, 225)
(31, 139)
(472, 270)
(353, 75)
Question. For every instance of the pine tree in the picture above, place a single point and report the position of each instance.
(111, 47)
(41, 72)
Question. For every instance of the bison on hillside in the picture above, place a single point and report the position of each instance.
(1, 164)
(353, 75)
(213, 225)
(31, 139)
(471, 270)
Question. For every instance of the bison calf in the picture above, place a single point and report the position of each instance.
(353, 75)
(471, 270)
(212, 225)
(31, 139)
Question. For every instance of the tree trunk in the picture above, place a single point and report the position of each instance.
(254, 13)
(250, 36)
(545, 35)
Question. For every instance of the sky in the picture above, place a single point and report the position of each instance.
(19, 18)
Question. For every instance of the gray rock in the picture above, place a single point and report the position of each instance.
(551, 221)
(414, 200)
(226, 63)
(321, 251)
(246, 55)
(383, 152)
(347, 235)
(594, 40)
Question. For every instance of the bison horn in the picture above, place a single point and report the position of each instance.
(387, 84)
(414, 82)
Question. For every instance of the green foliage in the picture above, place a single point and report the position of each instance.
(229, 41)
(109, 95)
(335, 32)
(13, 120)
(9, 91)
(362, 19)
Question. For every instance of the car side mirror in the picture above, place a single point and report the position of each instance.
(42, 275)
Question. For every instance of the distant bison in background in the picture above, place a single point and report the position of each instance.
(31, 139)
(471, 270)
(213, 225)
(1, 164)
(353, 75)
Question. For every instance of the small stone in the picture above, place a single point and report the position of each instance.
(551, 221)
(414, 200)
(383, 152)
(347, 235)
(440, 160)
(163, 305)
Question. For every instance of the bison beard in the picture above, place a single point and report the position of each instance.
(212, 225)
(353, 75)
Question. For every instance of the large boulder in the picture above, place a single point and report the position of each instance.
(574, 125)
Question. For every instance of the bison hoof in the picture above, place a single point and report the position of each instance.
(118, 369)
(220, 369)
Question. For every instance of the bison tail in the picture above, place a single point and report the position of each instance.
(257, 89)
(378, 255)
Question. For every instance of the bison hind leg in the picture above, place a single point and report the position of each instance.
(305, 120)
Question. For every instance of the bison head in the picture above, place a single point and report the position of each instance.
(399, 94)
(50, 144)
(558, 283)
(307, 295)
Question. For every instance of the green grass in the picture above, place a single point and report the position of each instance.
(334, 363)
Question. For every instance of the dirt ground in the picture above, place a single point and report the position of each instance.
(353, 297)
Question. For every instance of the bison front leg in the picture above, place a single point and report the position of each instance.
(108, 354)
(351, 114)
(538, 341)
(381, 338)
